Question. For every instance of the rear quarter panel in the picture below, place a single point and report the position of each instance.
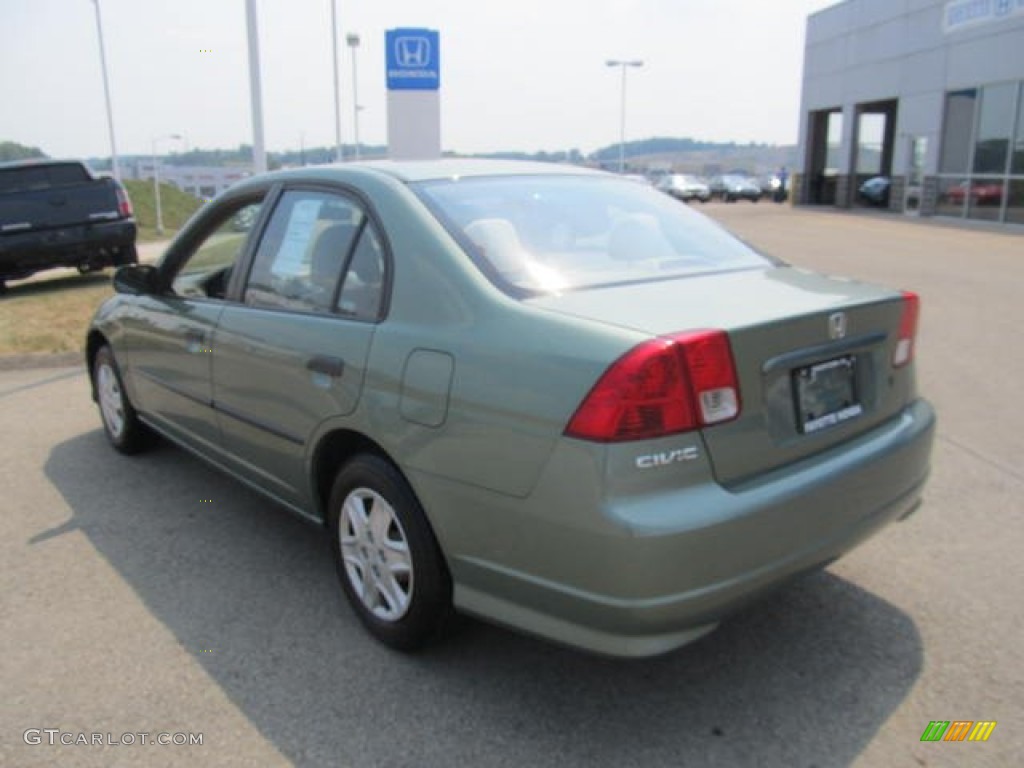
(518, 372)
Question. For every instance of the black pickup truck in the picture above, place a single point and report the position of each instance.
(58, 214)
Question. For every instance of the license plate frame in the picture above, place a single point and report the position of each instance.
(825, 394)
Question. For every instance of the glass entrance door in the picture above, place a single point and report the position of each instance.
(912, 190)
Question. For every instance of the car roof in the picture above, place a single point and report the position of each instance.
(411, 171)
(407, 171)
(448, 168)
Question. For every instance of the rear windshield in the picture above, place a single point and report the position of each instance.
(35, 177)
(543, 234)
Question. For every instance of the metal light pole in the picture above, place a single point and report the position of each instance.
(622, 112)
(338, 153)
(353, 42)
(156, 182)
(259, 152)
(115, 168)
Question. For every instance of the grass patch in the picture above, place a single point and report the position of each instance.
(48, 316)
(175, 206)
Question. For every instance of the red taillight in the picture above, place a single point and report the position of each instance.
(124, 205)
(904, 351)
(661, 387)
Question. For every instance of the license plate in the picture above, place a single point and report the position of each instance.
(825, 394)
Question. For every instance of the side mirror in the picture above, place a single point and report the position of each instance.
(136, 279)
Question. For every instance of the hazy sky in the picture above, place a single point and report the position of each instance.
(517, 74)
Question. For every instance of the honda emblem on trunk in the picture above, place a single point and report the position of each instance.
(837, 325)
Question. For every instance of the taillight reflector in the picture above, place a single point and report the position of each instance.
(906, 339)
(124, 204)
(661, 387)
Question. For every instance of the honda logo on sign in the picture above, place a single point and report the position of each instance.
(413, 59)
(412, 52)
(837, 325)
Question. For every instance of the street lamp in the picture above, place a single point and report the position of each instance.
(259, 150)
(353, 42)
(337, 98)
(622, 112)
(156, 182)
(115, 169)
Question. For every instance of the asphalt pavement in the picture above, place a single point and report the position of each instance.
(151, 595)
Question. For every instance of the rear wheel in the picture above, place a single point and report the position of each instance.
(389, 562)
(120, 422)
(127, 255)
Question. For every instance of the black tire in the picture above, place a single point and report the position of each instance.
(387, 536)
(120, 421)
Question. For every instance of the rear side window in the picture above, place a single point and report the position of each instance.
(320, 253)
(542, 234)
(36, 177)
(362, 291)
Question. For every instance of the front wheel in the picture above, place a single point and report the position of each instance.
(120, 422)
(389, 562)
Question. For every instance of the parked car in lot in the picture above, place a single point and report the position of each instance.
(58, 214)
(548, 397)
(875, 191)
(684, 187)
(979, 192)
(731, 187)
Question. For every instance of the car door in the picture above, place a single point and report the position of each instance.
(293, 351)
(168, 334)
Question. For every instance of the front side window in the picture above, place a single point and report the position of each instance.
(540, 234)
(320, 253)
(206, 271)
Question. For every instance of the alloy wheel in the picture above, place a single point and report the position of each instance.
(375, 553)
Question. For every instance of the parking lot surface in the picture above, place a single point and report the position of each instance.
(153, 595)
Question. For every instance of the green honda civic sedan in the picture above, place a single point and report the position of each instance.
(545, 396)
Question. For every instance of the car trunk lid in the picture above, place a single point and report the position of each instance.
(813, 355)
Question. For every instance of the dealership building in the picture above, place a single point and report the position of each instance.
(928, 94)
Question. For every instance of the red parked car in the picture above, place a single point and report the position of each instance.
(982, 193)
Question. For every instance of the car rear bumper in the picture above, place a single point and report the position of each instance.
(22, 254)
(656, 571)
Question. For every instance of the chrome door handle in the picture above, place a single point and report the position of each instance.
(195, 342)
(329, 366)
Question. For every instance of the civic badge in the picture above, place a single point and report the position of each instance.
(837, 325)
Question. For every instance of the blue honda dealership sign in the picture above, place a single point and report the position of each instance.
(413, 59)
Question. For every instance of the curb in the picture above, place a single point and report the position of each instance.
(55, 360)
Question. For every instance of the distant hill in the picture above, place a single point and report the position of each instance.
(671, 154)
(653, 155)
